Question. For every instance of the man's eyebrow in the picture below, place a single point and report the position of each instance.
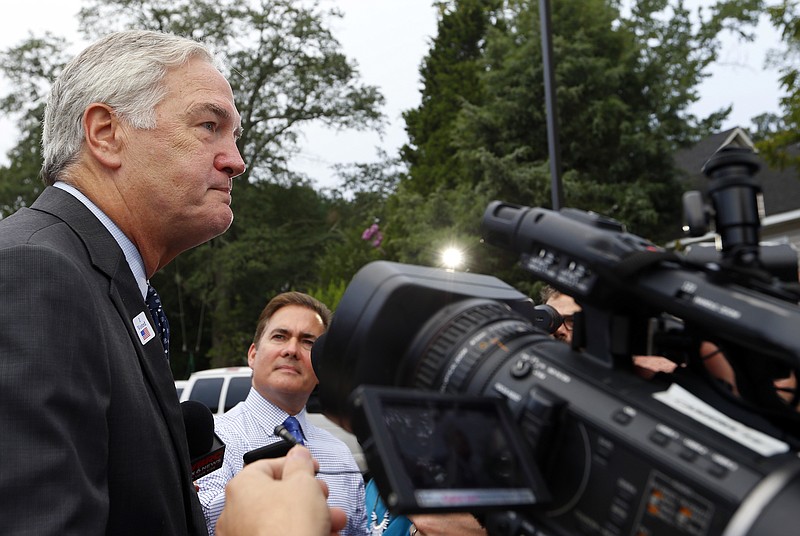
(218, 111)
(284, 331)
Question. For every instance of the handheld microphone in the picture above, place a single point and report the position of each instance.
(281, 448)
(206, 449)
(273, 450)
(285, 434)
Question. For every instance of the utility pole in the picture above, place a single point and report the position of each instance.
(553, 147)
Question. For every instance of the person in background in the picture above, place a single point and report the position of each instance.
(383, 523)
(566, 307)
(283, 379)
(458, 524)
(645, 366)
(139, 145)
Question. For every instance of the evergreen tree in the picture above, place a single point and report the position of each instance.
(450, 77)
(778, 135)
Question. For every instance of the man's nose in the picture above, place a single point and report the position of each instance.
(290, 348)
(231, 162)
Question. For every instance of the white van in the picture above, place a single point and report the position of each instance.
(222, 388)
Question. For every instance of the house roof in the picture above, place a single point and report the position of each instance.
(781, 188)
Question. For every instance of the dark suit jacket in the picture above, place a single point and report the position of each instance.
(91, 434)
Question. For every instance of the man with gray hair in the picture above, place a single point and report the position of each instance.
(140, 153)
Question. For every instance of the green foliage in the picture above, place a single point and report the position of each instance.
(624, 85)
(29, 67)
(779, 135)
(765, 126)
(451, 77)
(421, 226)
(285, 67)
(357, 204)
(271, 247)
(331, 294)
(286, 70)
(20, 184)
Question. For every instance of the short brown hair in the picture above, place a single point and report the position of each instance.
(548, 293)
(291, 298)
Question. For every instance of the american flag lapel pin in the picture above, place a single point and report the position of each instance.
(143, 328)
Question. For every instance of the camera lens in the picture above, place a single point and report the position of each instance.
(463, 345)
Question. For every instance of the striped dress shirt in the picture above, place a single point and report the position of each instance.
(250, 425)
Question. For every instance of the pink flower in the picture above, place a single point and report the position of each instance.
(370, 231)
(373, 234)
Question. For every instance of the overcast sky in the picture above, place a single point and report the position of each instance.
(388, 39)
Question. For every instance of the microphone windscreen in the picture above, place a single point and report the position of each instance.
(199, 424)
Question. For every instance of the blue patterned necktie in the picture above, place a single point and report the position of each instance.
(293, 426)
(160, 319)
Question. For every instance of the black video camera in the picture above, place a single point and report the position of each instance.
(580, 444)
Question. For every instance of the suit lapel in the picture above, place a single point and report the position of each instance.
(128, 300)
(109, 259)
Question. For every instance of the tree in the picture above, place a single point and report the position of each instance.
(29, 68)
(766, 127)
(359, 207)
(450, 75)
(286, 70)
(280, 232)
(779, 134)
(285, 67)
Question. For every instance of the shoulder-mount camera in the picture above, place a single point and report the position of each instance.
(462, 402)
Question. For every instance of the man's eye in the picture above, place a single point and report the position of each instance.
(307, 343)
(210, 126)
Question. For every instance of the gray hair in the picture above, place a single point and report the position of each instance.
(124, 70)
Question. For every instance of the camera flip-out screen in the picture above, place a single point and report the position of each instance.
(438, 453)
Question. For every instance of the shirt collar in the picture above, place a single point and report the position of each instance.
(132, 254)
(268, 414)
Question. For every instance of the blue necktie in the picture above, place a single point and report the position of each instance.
(293, 426)
(160, 319)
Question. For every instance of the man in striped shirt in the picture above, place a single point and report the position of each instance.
(283, 380)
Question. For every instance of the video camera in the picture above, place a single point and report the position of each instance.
(416, 360)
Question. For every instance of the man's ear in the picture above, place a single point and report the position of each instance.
(103, 134)
(251, 355)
